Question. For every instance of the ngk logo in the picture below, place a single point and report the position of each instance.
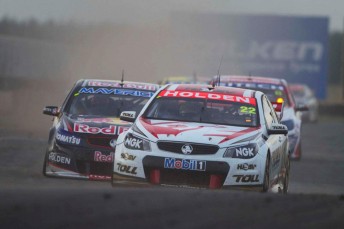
(246, 152)
(133, 143)
(246, 178)
(98, 156)
(83, 128)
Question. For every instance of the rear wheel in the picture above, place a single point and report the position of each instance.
(266, 184)
(286, 177)
(44, 171)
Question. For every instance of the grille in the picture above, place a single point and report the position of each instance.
(95, 168)
(100, 141)
(100, 168)
(190, 178)
(198, 149)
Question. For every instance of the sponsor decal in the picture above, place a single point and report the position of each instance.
(125, 85)
(84, 128)
(108, 91)
(127, 156)
(278, 127)
(206, 95)
(185, 164)
(102, 120)
(122, 129)
(244, 152)
(127, 169)
(113, 143)
(128, 114)
(67, 139)
(99, 177)
(187, 149)
(98, 156)
(133, 143)
(59, 158)
(246, 166)
(246, 178)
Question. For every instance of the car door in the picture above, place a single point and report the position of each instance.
(274, 142)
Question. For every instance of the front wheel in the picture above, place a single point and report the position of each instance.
(286, 177)
(44, 171)
(266, 184)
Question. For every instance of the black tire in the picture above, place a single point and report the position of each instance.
(266, 183)
(286, 177)
(44, 171)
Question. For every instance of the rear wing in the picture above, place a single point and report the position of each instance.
(279, 107)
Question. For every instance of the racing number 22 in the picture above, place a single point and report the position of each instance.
(247, 110)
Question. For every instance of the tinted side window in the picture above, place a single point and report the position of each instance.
(268, 112)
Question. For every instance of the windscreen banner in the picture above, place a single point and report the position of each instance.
(289, 47)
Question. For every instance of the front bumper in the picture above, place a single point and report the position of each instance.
(204, 171)
(79, 162)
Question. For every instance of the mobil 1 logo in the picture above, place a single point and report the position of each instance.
(184, 164)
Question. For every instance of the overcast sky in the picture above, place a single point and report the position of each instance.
(155, 11)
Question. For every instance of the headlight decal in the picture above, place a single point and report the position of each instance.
(137, 130)
(243, 152)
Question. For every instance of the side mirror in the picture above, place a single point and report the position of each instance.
(128, 116)
(301, 107)
(277, 128)
(279, 107)
(51, 110)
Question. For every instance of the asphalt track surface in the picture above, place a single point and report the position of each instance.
(315, 199)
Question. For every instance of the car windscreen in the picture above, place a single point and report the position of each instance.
(103, 104)
(276, 95)
(274, 92)
(203, 111)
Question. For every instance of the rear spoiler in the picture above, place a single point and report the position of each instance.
(279, 107)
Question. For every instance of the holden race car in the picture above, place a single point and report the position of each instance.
(277, 91)
(184, 80)
(83, 136)
(304, 95)
(201, 136)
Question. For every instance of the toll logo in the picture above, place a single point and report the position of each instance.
(246, 178)
(127, 169)
(184, 164)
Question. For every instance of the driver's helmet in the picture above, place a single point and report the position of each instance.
(190, 109)
(99, 100)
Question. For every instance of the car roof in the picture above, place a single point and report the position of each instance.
(210, 89)
(118, 84)
(256, 79)
(185, 80)
(298, 86)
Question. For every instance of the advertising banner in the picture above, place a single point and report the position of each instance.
(289, 47)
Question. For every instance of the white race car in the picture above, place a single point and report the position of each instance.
(200, 136)
(277, 91)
